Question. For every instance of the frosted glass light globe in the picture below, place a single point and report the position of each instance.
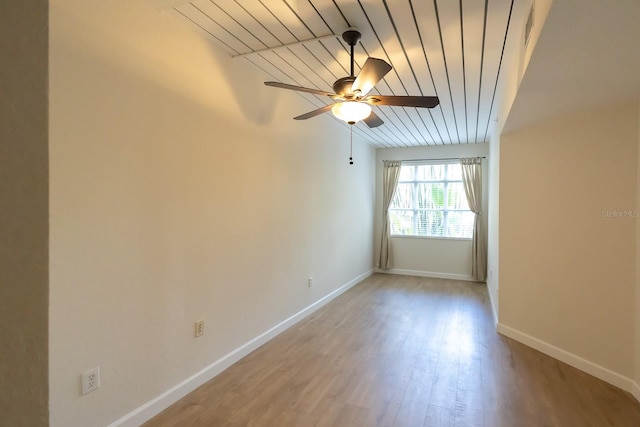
(351, 111)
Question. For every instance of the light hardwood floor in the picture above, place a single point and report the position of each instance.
(402, 351)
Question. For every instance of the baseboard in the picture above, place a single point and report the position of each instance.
(166, 399)
(578, 362)
(433, 274)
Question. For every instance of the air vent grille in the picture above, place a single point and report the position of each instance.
(529, 26)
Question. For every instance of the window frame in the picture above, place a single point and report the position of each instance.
(415, 209)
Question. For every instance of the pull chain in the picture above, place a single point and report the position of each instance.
(351, 146)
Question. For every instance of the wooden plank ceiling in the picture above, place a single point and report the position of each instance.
(453, 49)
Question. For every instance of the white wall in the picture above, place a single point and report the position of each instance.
(513, 70)
(567, 268)
(493, 228)
(181, 190)
(446, 258)
(566, 278)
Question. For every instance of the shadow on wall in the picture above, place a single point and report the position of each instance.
(256, 101)
(178, 59)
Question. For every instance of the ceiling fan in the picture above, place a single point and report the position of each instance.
(350, 93)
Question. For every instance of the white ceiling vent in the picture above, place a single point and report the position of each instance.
(529, 26)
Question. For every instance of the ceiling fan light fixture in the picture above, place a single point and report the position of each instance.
(351, 111)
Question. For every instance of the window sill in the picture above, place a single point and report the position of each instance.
(403, 236)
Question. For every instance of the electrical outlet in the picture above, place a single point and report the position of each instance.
(310, 281)
(199, 328)
(91, 380)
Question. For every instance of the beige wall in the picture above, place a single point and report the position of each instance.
(567, 267)
(636, 389)
(447, 258)
(23, 214)
(182, 190)
(493, 226)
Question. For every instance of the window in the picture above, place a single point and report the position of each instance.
(430, 202)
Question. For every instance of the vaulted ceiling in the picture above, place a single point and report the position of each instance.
(452, 49)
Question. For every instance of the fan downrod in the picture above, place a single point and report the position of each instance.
(342, 86)
(351, 37)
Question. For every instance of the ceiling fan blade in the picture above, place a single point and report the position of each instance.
(314, 112)
(373, 121)
(300, 89)
(403, 101)
(372, 72)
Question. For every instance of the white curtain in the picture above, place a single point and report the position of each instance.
(390, 176)
(472, 181)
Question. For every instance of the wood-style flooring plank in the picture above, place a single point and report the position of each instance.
(401, 351)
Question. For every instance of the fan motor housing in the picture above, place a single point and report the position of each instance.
(343, 86)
